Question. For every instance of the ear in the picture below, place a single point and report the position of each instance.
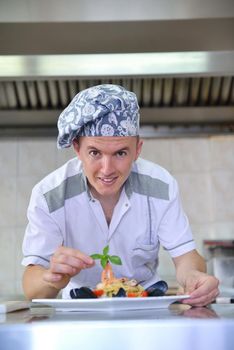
(76, 146)
(138, 148)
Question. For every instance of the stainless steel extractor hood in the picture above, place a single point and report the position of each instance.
(177, 56)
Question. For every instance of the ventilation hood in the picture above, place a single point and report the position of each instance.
(179, 60)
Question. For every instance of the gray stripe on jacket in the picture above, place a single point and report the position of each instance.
(148, 186)
(75, 185)
(71, 187)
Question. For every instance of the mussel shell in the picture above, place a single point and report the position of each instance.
(157, 289)
(82, 293)
(121, 293)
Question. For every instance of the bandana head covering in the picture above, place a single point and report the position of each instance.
(102, 110)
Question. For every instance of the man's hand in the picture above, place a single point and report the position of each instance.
(39, 282)
(64, 264)
(193, 279)
(202, 288)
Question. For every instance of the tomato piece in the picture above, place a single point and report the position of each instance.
(136, 294)
(98, 292)
(132, 295)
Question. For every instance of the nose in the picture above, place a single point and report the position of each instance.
(107, 165)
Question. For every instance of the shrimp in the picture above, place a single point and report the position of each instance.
(108, 275)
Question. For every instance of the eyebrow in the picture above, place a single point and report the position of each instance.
(118, 150)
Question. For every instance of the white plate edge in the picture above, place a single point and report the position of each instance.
(108, 300)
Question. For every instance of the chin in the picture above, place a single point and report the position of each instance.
(110, 191)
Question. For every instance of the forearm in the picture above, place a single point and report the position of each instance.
(188, 263)
(34, 284)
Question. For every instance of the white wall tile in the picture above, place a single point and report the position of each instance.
(7, 200)
(223, 195)
(19, 269)
(224, 229)
(203, 232)
(222, 152)
(157, 151)
(37, 157)
(25, 185)
(7, 261)
(7, 289)
(63, 155)
(190, 155)
(195, 191)
(8, 157)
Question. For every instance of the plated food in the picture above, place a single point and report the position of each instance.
(110, 286)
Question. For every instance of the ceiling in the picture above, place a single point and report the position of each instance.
(177, 56)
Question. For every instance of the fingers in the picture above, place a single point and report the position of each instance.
(64, 264)
(69, 261)
(52, 277)
(55, 280)
(206, 285)
(203, 300)
(75, 253)
(206, 290)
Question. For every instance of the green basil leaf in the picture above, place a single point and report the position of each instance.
(115, 260)
(104, 261)
(96, 256)
(106, 250)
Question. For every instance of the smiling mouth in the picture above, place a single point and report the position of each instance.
(107, 181)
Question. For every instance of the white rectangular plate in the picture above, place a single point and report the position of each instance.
(107, 304)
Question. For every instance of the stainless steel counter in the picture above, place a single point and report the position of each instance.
(179, 327)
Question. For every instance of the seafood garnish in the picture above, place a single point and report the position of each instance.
(110, 286)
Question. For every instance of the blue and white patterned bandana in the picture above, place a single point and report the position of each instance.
(102, 110)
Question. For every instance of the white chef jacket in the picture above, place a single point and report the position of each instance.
(62, 211)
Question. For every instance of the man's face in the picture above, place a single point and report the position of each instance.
(107, 161)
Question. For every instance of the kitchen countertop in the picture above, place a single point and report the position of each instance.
(178, 327)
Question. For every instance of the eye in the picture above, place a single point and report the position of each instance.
(121, 154)
(94, 153)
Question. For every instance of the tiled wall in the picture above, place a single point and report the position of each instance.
(203, 166)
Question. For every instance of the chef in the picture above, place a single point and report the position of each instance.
(107, 195)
